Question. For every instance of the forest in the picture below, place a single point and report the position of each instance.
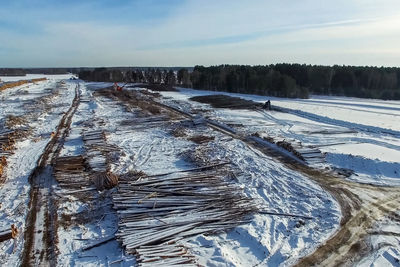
(280, 80)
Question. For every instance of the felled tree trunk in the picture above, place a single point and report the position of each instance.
(8, 234)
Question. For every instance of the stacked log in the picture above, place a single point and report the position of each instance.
(167, 255)
(70, 173)
(155, 212)
(97, 157)
(7, 142)
(94, 140)
(288, 147)
(308, 154)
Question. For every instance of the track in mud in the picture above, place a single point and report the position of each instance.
(41, 227)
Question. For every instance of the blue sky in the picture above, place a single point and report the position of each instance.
(53, 33)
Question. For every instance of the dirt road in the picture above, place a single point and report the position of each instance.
(41, 226)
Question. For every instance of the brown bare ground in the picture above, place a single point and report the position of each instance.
(200, 139)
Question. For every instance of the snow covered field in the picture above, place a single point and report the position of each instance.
(35, 76)
(358, 134)
(362, 136)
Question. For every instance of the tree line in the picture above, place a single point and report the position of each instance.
(281, 80)
(12, 72)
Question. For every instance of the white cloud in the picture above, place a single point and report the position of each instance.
(362, 32)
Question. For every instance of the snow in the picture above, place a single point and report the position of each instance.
(350, 138)
(14, 193)
(357, 134)
(36, 76)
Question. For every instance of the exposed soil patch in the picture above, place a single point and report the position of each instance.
(200, 139)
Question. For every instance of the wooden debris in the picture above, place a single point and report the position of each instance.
(307, 154)
(104, 180)
(167, 254)
(12, 233)
(8, 138)
(99, 243)
(70, 172)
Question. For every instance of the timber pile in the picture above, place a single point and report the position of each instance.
(226, 101)
(308, 154)
(97, 156)
(288, 146)
(169, 254)
(156, 211)
(7, 141)
(94, 142)
(133, 98)
(148, 121)
(70, 172)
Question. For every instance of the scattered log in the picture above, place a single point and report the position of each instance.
(99, 243)
(12, 233)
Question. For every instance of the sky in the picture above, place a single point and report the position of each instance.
(93, 33)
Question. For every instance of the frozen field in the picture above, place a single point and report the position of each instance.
(302, 206)
(359, 134)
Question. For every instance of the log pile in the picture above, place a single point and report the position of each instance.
(7, 142)
(145, 122)
(308, 154)
(156, 211)
(94, 141)
(8, 138)
(167, 255)
(288, 147)
(97, 156)
(70, 173)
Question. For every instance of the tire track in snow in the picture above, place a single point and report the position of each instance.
(350, 195)
(41, 227)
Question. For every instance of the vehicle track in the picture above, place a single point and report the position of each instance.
(41, 223)
(362, 205)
